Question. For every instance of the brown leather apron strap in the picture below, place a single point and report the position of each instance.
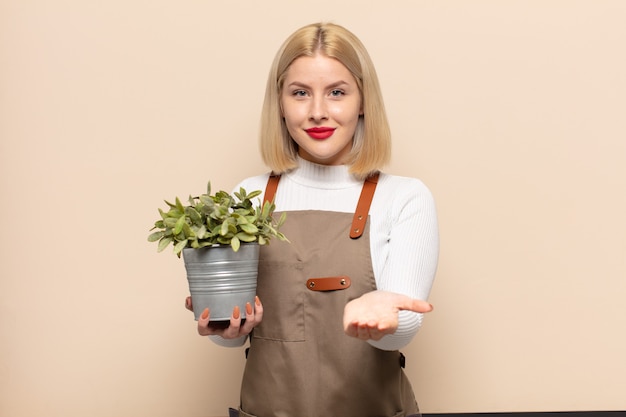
(270, 188)
(363, 206)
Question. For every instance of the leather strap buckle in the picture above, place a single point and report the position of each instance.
(328, 283)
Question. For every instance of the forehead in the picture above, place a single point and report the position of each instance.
(318, 68)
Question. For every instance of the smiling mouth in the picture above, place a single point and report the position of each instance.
(320, 132)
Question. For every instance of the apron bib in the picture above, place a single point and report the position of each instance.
(300, 362)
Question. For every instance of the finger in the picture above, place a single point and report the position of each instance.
(374, 331)
(235, 323)
(203, 322)
(188, 304)
(248, 325)
(385, 327)
(363, 331)
(375, 334)
(415, 305)
(253, 317)
(258, 309)
(351, 329)
(369, 330)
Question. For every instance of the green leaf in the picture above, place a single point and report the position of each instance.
(267, 208)
(201, 232)
(174, 213)
(155, 236)
(234, 243)
(170, 222)
(282, 219)
(179, 205)
(216, 230)
(241, 195)
(163, 243)
(254, 194)
(178, 248)
(249, 228)
(245, 237)
(224, 229)
(178, 227)
(206, 200)
(187, 231)
(193, 215)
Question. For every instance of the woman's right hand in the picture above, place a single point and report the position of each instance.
(235, 328)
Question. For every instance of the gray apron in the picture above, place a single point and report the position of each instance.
(300, 362)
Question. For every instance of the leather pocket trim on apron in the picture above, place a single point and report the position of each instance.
(328, 283)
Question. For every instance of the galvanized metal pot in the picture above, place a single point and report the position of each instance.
(220, 278)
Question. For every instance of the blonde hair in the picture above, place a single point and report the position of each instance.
(371, 147)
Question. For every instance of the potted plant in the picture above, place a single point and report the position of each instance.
(219, 236)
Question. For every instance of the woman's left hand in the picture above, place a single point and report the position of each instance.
(375, 314)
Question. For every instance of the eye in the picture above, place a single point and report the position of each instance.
(337, 93)
(299, 93)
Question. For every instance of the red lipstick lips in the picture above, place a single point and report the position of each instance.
(320, 132)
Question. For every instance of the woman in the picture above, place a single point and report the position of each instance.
(349, 290)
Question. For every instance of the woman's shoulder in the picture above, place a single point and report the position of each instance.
(397, 184)
(255, 180)
(396, 195)
(258, 182)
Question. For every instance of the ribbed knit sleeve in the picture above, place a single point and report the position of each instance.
(405, 248)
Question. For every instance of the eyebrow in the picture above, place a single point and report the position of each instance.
(333, 85)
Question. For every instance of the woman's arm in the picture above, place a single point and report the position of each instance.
(410, 259)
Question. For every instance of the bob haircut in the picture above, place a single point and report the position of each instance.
(371, 147)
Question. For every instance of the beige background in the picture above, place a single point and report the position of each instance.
(513, 112)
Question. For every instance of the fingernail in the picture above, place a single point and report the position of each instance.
(248, 309)
(236, 313)
(257, 301)
(205, 313)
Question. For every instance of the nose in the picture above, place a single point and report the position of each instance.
(318, 111)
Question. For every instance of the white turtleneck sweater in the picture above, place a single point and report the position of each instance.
(404, 239)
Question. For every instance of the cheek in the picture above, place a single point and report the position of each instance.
(293, 115)
(289, 119)
(346, 113)
(281, 106)
(291, 122)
